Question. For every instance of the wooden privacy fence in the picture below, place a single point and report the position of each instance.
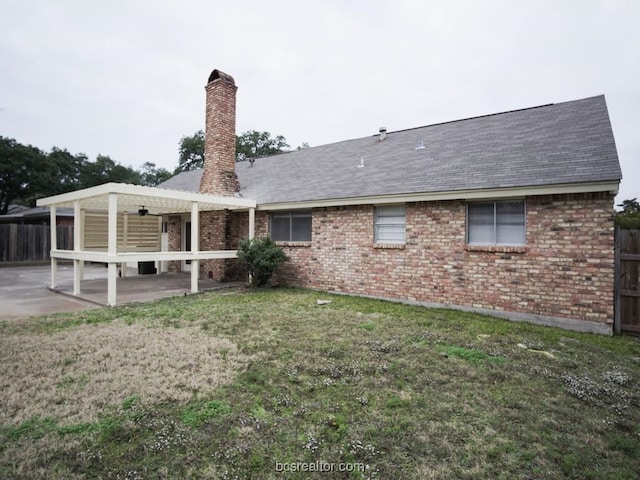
(31, 243)
(627, 305)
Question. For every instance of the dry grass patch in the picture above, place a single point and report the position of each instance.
(224, 386)
(74, 374)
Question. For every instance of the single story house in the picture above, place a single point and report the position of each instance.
(509, 214)
(37, 216)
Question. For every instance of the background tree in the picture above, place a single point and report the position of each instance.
(629, 217)
(27, 173)
(105, 170)
(151, 176)
(23, 173)
(68, 168)
(250, 144)
(191, 152)
(254, 144)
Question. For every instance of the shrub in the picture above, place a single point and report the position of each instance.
(260, 256)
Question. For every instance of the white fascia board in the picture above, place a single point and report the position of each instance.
(488, 193)
(151, 192)
(71, 197)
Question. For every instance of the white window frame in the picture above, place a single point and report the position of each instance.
(291, 215)
(495, 222)
(387, 220)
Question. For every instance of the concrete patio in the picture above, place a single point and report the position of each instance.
(137, 288)
(24, 292)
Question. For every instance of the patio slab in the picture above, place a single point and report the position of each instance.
(24, 290)
(140, 288)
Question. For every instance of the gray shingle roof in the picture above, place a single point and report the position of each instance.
(570, 142)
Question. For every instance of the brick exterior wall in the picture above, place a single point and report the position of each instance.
(219, 177)
(222, 230)
(566, 270)
(174, 228)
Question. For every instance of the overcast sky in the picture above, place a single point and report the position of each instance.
(126, 78)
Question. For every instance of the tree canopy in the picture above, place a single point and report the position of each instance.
(191, 152)
(250, 144)
(27, 173)
(254, 144)
(629, 217)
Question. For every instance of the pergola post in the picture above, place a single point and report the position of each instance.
(53, 218)
(77, 235)
(252, 223)
(81, 224)
(195, 245)
(112, 251)
(125, 241)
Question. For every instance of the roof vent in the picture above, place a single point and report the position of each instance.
(361, 163)
(420, 145)
(383, 133)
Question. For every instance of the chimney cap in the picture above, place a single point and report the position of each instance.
(382, 129)
(218, 75)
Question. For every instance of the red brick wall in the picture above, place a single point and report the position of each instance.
(174, 227)
(213, 230)
(565, 270)
(219, 177)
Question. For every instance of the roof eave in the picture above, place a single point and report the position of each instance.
(610, 186)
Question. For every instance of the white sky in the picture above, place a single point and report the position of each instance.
(126, 78)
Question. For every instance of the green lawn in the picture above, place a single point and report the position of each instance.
(253, 385)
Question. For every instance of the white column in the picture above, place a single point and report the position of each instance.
(112, 248)
(195, 245)
(77, 236)
(81, 225)
(54, 244)
(159, 263)
(252, 223)
(125, 241)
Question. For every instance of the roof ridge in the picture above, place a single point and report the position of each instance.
(492, 114)
(471, 118)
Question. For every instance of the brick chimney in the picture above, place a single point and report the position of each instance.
(219, 176)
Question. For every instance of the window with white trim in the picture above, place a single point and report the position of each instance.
(496, 223)
(292, 226)
(390, 224)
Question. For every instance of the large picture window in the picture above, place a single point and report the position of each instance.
(496, 223)
(390, 224)
(293, 226)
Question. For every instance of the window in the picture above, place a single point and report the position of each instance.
(390, 224)
(294, 226)
(496, 223)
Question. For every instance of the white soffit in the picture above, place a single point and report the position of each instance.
(133, 197)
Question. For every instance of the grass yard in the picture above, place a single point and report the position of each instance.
(269, 384)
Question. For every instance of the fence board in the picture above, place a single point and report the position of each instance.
(31, 243)
(628, 289)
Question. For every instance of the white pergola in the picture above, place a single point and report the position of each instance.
(118, 197)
